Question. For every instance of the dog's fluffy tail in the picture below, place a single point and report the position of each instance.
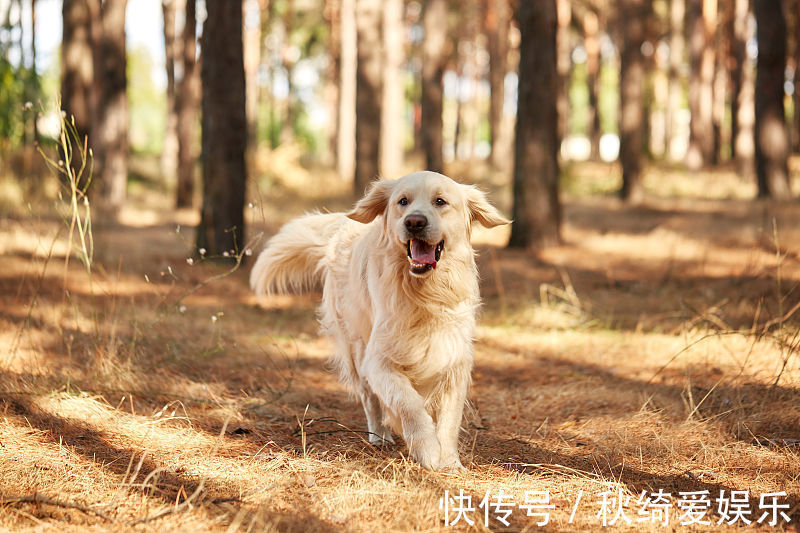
(294, 259)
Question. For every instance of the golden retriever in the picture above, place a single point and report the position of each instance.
(400, 295)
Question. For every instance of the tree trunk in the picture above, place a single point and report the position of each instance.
(332, 13)
(110, 114)
(346, 132)
(497, 25)
(796, 96)
(169, 155)
(537, 211)
(77, 71)
(631, 115)
(564, 64)
(676, 49)
(772, 140)
(434, 58)
(186, 103)
(702, 16)
(721, 76)
(288, 62)
(252, 60)
(34, 80)
(221, 229)
(368, 92)
(393, 98)
(591, 28)
(742, 92)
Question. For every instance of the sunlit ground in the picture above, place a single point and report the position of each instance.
(656, 349)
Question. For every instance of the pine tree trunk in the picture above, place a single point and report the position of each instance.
(631, 115)
(742, 92)
(110, 113)
(537, 211)
(702, 16)
(332, 14)
(497, 25)
(434, 57)
(564, 64)
(77, 71)
(187, 103)
(252, 60)
(368, 92)
(721, 77)
(676, 50)
(288, 62)
(591, 28)
(221, 229)
(34, 79)
(169, 155)
(772, 141)
(796, 96)
(346, 132)
(393, 97)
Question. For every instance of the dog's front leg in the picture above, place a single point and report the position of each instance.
(448, 420)
(400, 397)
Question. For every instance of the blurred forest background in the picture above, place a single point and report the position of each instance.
(514, 90)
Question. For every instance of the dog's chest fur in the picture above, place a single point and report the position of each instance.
(429, 322)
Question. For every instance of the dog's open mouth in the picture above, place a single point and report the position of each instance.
(423, 256)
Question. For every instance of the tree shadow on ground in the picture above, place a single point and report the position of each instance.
(142, 474)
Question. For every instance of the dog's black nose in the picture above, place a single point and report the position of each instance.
(415, 222)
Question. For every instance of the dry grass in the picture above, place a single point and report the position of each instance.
(656, 349)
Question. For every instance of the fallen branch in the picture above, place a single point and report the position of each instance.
(44, 500)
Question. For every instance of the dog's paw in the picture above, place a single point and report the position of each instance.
(427, 453)
(452, 467)
(381, 439)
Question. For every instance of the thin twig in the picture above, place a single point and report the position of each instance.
(44, 500)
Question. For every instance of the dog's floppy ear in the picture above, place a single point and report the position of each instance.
(481, 211)
(373, 203)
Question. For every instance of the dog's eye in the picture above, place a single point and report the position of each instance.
(440, 202)
(403, 201)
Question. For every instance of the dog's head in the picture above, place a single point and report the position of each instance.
(427, 215)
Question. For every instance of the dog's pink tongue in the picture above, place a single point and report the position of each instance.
(423, 253)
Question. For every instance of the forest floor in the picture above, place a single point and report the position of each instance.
(654, 352)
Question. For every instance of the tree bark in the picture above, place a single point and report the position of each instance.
(701, 20)
(631, 115)
(332, 13)
(186, 103)
(169, 155)
(34, 79)
(221, 229)
(796, 95)
(288, 62)
(393, 97)
(110, 112)
(346, 132)
(498, 18)
(434, 58)
(772, 140)
(676, 50)
(564, 64)
(537, 211)
(368, 93)
(591, 28)
(721, 77)
(77, 71)
(742, 92)
(252, 60)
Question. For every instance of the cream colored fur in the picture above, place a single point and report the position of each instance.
(403, 341)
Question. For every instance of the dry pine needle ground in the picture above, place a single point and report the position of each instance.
(654, 350)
